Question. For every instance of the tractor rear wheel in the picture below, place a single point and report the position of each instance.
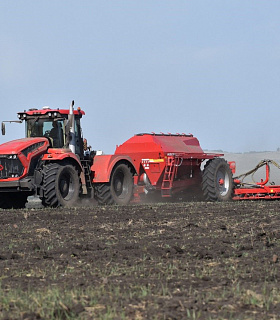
(217, 181)
(61, 185)
(120, 188)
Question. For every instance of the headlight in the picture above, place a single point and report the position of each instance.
(12, 156)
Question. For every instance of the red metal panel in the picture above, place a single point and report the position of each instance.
(15, 146)
(61, 154)
(163, 145)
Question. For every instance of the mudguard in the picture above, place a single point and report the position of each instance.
(61, 154)
(103, 165)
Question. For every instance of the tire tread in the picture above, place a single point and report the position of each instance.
(209, 187)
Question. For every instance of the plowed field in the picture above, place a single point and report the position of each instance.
(193, 260)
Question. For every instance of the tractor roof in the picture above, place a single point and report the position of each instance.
(47, 110)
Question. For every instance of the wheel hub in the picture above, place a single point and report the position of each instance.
(118, 186)
(222, 182)
(65, 186)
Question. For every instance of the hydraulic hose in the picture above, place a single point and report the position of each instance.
(262, 163)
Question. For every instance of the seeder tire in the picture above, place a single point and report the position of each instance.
(61, 185)
(217, 181)
(120, 188)
(103, 194)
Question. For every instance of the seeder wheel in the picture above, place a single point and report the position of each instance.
(217, 182)
(120, 188)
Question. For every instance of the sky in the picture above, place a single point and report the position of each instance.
(210, 68)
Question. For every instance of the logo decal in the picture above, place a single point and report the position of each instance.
(146, 164)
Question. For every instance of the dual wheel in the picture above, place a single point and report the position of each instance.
(61, 186)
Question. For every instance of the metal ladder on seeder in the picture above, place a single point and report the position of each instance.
(168, 176)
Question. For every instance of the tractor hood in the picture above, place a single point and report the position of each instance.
(19, 145)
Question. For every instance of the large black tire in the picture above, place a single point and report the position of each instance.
(13, 200)
(120, 188)
(217, 181)
(61, 185)
(103, 194)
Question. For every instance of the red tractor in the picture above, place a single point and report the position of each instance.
(53, 163)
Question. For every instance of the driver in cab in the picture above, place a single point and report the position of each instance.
(56, 134)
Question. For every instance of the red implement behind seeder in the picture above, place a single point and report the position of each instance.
(256, 190)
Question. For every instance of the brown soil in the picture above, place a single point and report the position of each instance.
(168, 261)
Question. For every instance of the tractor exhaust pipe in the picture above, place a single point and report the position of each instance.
(71, 122)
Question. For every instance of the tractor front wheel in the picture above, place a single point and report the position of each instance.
(120, 188)
(61, 185)
(217, 181)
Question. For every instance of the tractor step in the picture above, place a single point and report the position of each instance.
(87, 172)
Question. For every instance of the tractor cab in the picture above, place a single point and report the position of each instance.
(55, 124)
(52, 129)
